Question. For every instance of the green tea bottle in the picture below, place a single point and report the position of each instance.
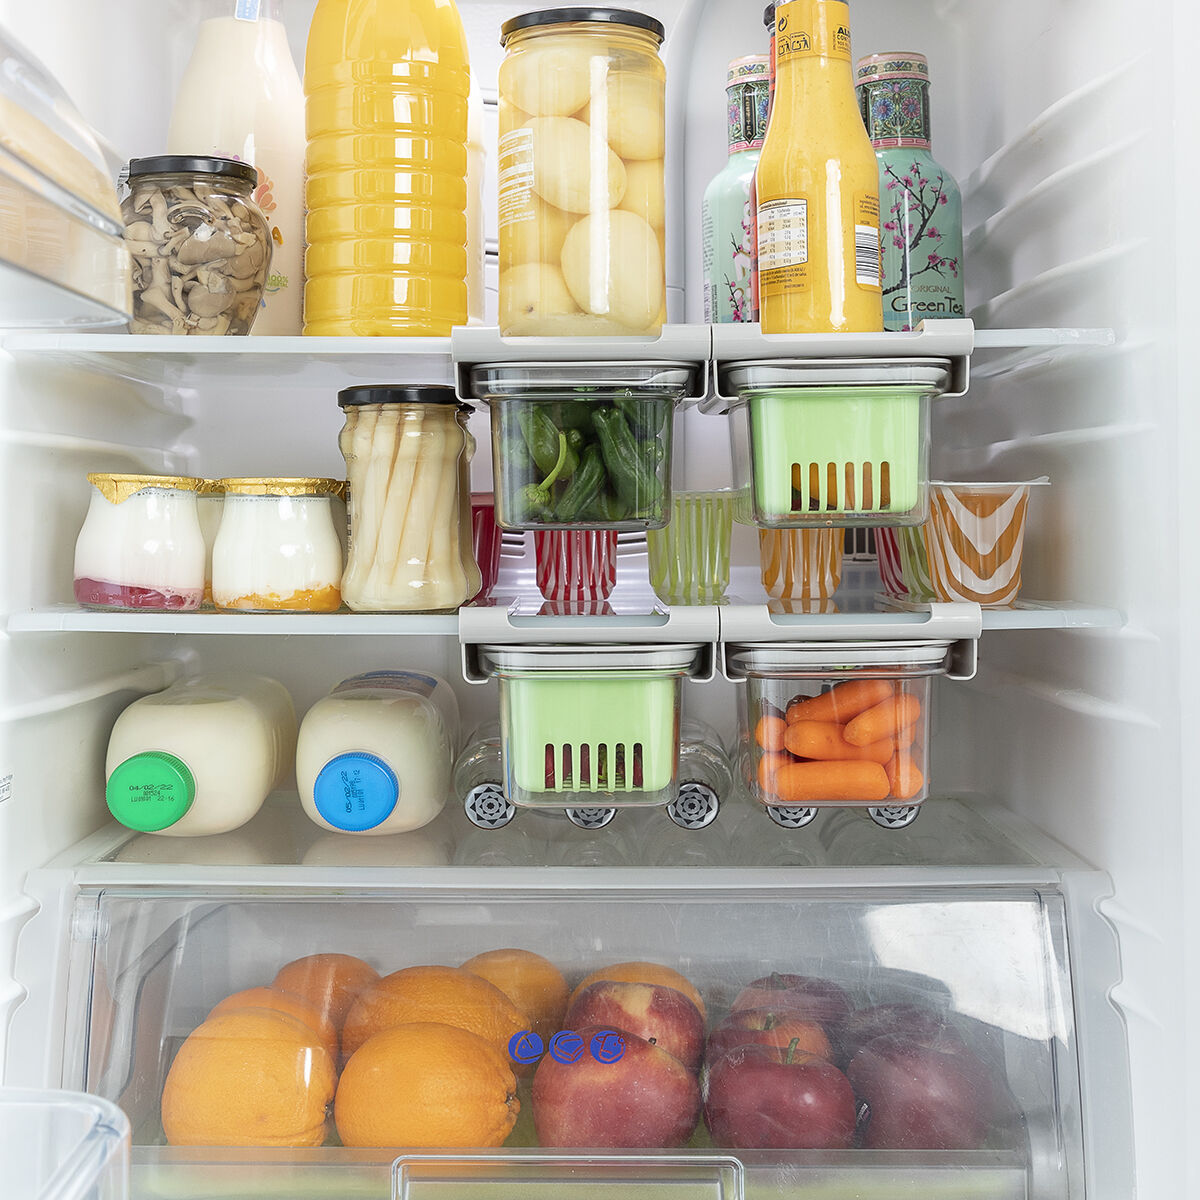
(920, 209)
(726, 216)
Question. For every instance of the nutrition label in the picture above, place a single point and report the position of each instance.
(515, 176)
(782, 245)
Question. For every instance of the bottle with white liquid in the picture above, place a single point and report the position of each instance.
(375, 755)
(201, 757)
(241, 97)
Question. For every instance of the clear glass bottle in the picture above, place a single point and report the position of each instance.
(818, 184)
(407, 452)
(726, 227)
(582, 197)
(257, 117)
(200, 245)
(921, 208)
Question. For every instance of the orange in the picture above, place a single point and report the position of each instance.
(426, 1084)
(284, 1002)
(446, 995)
(644, 972)
(250, 1077)
(533, 983)
(330, 981)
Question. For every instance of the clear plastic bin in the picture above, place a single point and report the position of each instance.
(844, 725)
(838, 444)
(597, 721)
(582, 446)
(57, 1145)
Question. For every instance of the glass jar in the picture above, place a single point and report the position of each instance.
(201, 246)
(407, 453)
(140, 547)
(582, 199)
(277, 549)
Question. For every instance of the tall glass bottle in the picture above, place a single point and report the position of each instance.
(769, 22)
(387, 84)
(726, 226)
(921, 217)
(818, 183)
(257, 117)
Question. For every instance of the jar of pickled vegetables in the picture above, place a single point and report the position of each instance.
(407, 453)
(582, 200)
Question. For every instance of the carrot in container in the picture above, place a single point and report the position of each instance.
(885, 720)
(769, 731)
(843, 702)
(904, 776)
(825, 740)
(809, 782)
(768, 765)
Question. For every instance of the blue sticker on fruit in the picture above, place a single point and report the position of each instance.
(525, 1047)
(566, 1047)
(607, 1046)
(247, 10)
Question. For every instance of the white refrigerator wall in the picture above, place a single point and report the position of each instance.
(1073, 143)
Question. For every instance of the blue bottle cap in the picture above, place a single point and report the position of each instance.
(356, 792)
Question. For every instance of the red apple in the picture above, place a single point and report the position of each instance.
(759, 1100)
(763, 1027)
(659, 1014)
(644, 1099)
(924, 1093)
(817, 1000)
(865, 1024)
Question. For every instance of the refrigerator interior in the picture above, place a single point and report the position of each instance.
(1069, 136)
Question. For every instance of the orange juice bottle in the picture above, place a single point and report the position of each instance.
(818, 184)
(386, 85)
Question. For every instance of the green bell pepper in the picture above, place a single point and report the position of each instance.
(585, 485)
(542, 437)
(631, 467)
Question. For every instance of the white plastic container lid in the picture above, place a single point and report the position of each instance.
(771, 658)
(527, 660)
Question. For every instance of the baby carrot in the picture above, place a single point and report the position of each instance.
(768, 765)
(841, 703)
(769, 732)
(824, 740)
(904, 776)
(803, 783)
(888, 719)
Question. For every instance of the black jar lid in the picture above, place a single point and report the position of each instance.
(769, 15)
(565, 16)
(188, 164)
(406, 393)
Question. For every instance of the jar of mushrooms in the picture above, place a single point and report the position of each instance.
(201, 246)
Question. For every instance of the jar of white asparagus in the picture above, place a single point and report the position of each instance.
(407, 453)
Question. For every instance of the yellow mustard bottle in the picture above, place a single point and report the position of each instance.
(386, 85)
(818, 184)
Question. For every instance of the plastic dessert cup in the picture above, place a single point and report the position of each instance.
(689, 559)
(485, 541)
(576, 566)
(974, 540)
(801, 564)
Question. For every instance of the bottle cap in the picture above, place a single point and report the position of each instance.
(895, 64)
(398, 393)
(748, 69)
(355, 792)
(769, 15)
(150, 791)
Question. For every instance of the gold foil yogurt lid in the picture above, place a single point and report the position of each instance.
(118, 488)
(281, 487)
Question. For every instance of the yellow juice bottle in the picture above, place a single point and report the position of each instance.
(818, 184)
(386, 85)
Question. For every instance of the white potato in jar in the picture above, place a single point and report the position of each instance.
(613, 267)
(645, 193)
(531, 292)
(512, 118)
(635, 125)
(549, 78)
(569, 162)
(538, 238)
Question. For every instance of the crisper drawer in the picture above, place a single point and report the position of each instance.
(827, 1040)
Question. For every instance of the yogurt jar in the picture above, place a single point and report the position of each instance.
(277, 549)
(141, 547)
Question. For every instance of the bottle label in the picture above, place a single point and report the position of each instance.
(515, 177)
(812, 28)
(746, 114)
(868, 266)
(782, 246)
(247, 10)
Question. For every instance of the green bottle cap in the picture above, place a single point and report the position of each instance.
(150, 791)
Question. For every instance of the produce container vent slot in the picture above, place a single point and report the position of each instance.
(626, 773)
